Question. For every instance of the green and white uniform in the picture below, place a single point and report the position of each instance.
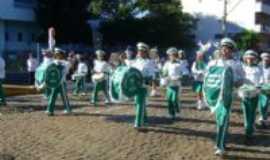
(2, 77)
(51, 77)
(144, 66)
(101, 68)
(172, 73)
(198, 70)
(80, 78)
(219, 79)
(263, 97)
(253, 77)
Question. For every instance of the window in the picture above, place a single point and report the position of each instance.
(19, 37)
(33, 37)
(24, 3)
(7, 36)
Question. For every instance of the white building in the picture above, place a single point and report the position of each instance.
(242, 14)
(18, 29)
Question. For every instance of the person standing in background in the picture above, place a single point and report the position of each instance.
(2, 77)
(32, 65)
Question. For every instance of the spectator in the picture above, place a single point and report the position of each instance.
(32, 64)
(2, 77)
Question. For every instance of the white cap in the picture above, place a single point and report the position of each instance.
(59, 50)
(100, 52)
(265, 55)
(228, 42)
(250, 53)
(172, 50)
(142, 46)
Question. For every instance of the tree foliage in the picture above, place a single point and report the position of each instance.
(247, 40)
(67, 16)
(164, 24)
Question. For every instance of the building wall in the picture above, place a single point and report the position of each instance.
(210, 12)
(19, 10)
(18, 29)
(1, 37)
(21, 35)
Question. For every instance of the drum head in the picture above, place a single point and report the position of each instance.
(53, 76)
(132, 82)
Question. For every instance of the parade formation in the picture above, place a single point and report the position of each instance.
(133, 77)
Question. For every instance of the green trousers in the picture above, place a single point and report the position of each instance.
(140, 104)
(172, 100)
(222, 116)
(249, 106)
(263, 106)
(2, 94)
(79, 85)
(100, 86)
(52, 97)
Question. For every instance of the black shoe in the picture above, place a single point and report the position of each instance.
(248, 140)
(261, 125)
(50, 114)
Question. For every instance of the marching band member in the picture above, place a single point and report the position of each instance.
(172, 73)
(63, 66)
(47, 60)
(114, 60)
(184, 66)
(264, 98)
(80, 76)
(100, 77)
(154, 59)
(198, 69)
(129, 61)
(234, 76)
(142, 63)
(2, 77)
(253, 76)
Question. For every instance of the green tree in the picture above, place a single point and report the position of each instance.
(247, 40)
(67, 16)
(164, 25)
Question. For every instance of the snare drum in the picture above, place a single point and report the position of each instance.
(248, 91)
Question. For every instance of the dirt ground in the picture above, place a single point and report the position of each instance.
(107, 133)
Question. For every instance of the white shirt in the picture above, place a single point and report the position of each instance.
(145, 66)
(198, 74)
(238, 72)
(266, 74)
(101, 66)
(184, 67)
(129, 62)
(32, 64)
(173, 72)
(82, 69)
(2, 68)
(172, 69)
(253, 75)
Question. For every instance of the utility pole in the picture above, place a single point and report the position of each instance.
(224, 18)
